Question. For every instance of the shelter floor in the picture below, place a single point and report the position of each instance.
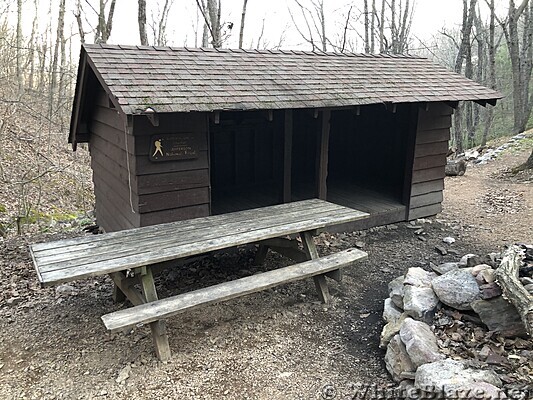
(383, 206)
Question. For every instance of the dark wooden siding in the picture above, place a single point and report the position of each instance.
(114, 186)
(171, 190)
(433, 133)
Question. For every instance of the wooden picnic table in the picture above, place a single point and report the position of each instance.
(141, 249)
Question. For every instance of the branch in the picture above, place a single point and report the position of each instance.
(206, 20)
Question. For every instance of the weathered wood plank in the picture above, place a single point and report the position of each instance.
(437, 122)
(315, 205)
(429, 149)
(168, 307)
(166, 233)
(429, 174)
(432, 136)
(158, 183)
(145, 167)
(109, 117)
(154, 254)
(426, 199)
(158, 328)
(174, 199)
(174, 214)
(429, 162)
(427, 187)
(114, 247)
(426, 211)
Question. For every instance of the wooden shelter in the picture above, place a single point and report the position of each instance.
(178, 133)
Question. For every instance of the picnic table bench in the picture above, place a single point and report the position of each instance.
(140, 250)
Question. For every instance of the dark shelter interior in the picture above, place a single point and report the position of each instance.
(366, 157)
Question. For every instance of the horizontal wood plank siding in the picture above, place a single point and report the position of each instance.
(172, 190)
(159, 183)
(429, 174)
(175, 214)
(426, 211)
(433, 133)
(426, 199)
(427, 187)
(429, 162)
(114, 186)
(175, 199)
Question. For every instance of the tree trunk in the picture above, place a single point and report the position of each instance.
(367, 27)
(79, 21)
(521, 61)
(468, 20)
(19, 45)
(373, 27)
(491, 70)
(109, 22)
(243, 18)
(142, 22)
(382, 44)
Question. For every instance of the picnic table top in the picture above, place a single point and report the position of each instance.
(89, 256)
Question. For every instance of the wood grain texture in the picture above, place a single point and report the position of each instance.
(75, 259)
(165, 308)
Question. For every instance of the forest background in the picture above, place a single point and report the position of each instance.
(43, 183)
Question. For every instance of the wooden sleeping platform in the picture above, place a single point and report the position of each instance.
(383, 207)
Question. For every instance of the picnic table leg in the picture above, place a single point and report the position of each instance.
(320, 280)
(158, 328)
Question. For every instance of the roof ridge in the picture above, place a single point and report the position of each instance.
(317, 52)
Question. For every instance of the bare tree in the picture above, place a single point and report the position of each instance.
(104, 24)
(315, 21)
(463, 49)
(491, 67)
(212, 11)
(19, 43)
(243, 17)
(521, 56)
(79, 21)
(141, 18)
(367, 27)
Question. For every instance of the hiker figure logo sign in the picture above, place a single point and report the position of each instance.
(170, 147)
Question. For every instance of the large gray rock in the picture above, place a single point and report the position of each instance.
(397, 360)
(500, 316)
(390, 330)
(420, 342)
(449, 376)
(391, 313)
(396, 291)
(416, 276)
(443, 268)
(483, 390)
(457, 289)
(420, 303)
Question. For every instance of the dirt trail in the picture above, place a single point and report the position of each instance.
(278, 344)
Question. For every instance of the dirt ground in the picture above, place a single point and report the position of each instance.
(278, 344)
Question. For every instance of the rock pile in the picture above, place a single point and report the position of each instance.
(436, 336)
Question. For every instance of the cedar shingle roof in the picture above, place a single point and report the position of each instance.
(181, 79)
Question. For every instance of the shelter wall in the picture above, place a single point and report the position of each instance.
(427, 184)
(177, 189)
(109, 160)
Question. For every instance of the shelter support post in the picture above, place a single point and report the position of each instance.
(322, 156)
(287, 157)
